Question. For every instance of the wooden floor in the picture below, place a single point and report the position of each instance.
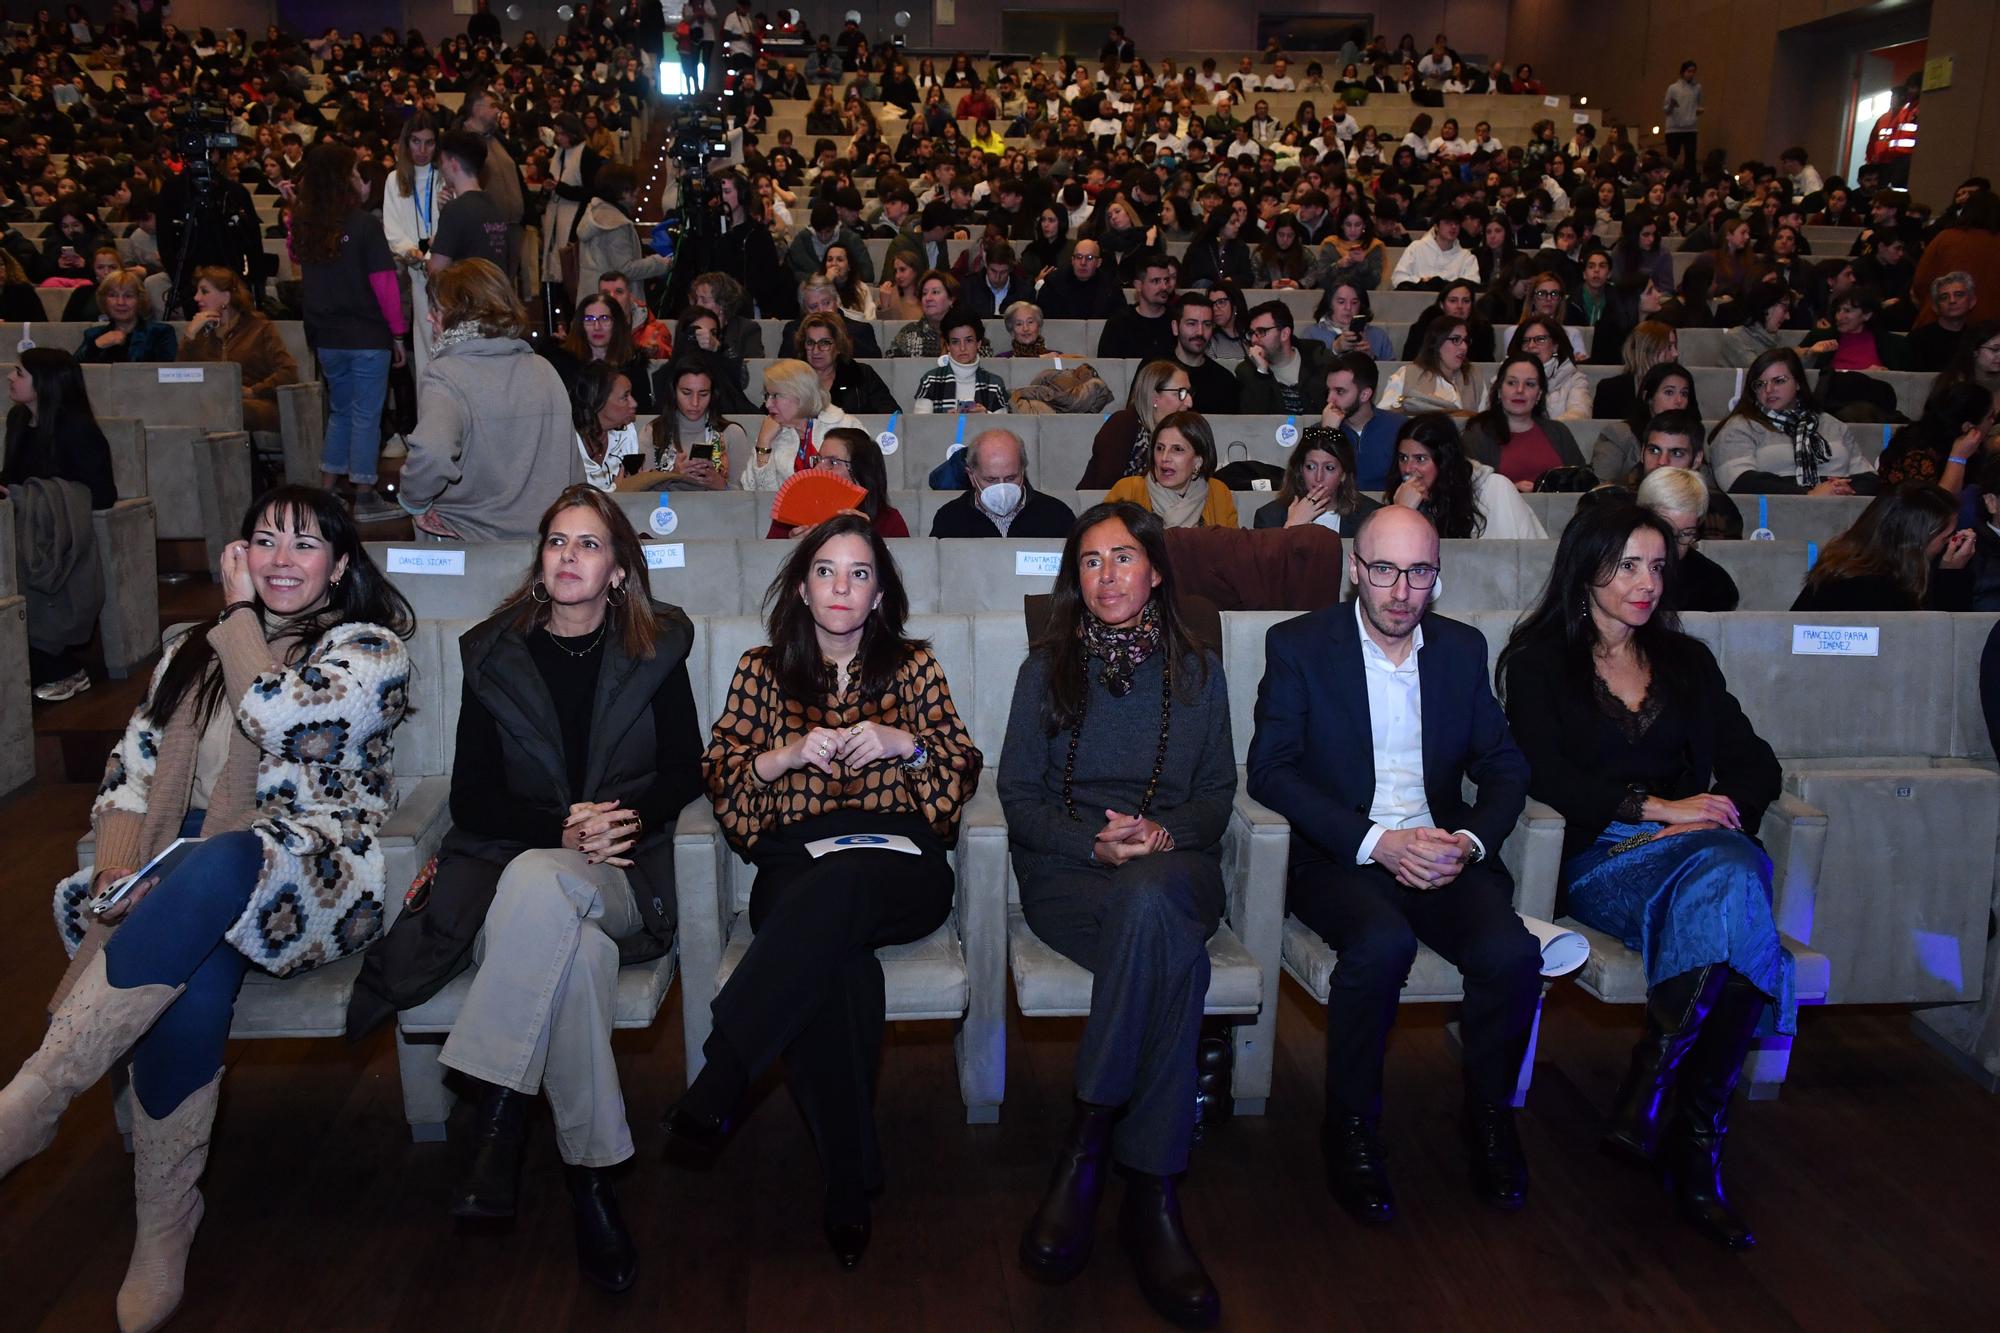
(1872, 1184)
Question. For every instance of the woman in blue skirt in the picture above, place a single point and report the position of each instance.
(1633, 735)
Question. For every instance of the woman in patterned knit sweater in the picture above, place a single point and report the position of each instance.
(267, 735)
(840, 726)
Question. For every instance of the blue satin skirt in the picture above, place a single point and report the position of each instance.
(1687, 902)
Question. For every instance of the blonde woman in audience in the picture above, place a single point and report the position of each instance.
(128, 332)
(796, 411)
(1441, 377)
(228, 327)
(1179, 484)
(1617, 397)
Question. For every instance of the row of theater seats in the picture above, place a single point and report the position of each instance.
(1872, 918)
(1077, 338)
(69, 335)
(725, 576)
(1058, 447)
(700, 515)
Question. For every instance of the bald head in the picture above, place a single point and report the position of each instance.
(995, 456)
(1398, 545)
(1397, 534)
(1084, 257)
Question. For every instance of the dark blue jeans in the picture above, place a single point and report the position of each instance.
(174, 938)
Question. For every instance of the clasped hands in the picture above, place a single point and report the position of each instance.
(1424, 858)
(1128, 837)
(602, 830)
(856, 746)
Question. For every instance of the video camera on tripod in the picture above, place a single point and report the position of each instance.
(203, 221)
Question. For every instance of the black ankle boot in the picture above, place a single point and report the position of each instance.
(702, 1121)
(1695, 1143)
(1499, 1167)
(848, 1223)
(1170, 1274)
(492, 1184)
(1056, 1244)
(1357, 1175)
(1675, 1011)
(604, 1249)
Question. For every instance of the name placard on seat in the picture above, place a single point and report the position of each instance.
(1836, 641)
(1037, 564)
(668, 555)
(180, 374)
(402, 560)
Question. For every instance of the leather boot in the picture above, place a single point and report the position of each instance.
(1708, 1080)
(1357, 1174)
(167, 1161)
(92, 1028)
(1499, 1167)
(848, 1223)
(702, 1122)
(491, 1189)
(1675, 1010)
(604, 1249)
(1170, 1274)
(1056, 1244)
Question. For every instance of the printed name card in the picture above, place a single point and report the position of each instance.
(1579, 117)
(180, 374)
(1038, 564)
(1552, 101)
(670, 555)
(405, 561)
(1836, 641)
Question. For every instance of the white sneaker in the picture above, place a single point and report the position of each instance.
(67, 688)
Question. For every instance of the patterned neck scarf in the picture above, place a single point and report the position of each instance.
(1809, 447)
(1122, 651)
(1142, 453)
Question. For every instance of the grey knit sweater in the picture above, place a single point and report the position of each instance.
(1114, 761)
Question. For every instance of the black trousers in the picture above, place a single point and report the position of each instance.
(810, 988)
(1142, 929)
(1680, 144)
(1375, 925)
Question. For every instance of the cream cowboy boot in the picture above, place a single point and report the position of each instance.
(168, 1157)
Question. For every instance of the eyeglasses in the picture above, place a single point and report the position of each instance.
(1686, 536)
(816, 344)
(832, 464)
(1536, 340)
(597, 319)
(1384, 575)
(1259, 330)
(1183, 393)
(1456, 338)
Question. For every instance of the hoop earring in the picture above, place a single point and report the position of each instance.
(537, 592)
(619, 599)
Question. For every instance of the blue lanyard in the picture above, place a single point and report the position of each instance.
(423, 202)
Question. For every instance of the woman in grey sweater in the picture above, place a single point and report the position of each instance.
(493, 443)
(1117, 782)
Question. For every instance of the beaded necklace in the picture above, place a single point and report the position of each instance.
(1159, 758)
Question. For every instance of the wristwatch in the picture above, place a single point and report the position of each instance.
(919, 756)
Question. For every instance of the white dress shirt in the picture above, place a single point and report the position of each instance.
(1396, 736)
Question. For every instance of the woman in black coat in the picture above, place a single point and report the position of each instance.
(1632, 734)
(1218, 250)
(1905, 553)
(746, 252)
(577, 747)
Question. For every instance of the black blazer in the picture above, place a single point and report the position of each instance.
(1312, 756)
(1556, 720)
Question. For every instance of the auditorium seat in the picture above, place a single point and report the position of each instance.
(128, 550)
(17, 698)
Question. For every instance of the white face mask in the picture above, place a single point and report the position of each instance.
(1001, 498)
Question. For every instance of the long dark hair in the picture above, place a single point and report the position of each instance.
(1451, 508)
(587, 398)
(633, 617)
(1889, 540)
(1494, 415)
(796, 659)
(325, 199)
(865, 467)
(1062, 636)
(61, 396)
(1325, 440)
(619, 350)
(1642, 411)
(363, 596)
(1750, 409)
(1586, 557)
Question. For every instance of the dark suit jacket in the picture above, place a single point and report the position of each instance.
(978, 298)
(1312, 757)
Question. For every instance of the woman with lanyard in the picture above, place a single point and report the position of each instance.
(410, 206)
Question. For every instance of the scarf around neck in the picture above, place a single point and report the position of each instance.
(1178, 511)
(1122, 651)
(1809, 447)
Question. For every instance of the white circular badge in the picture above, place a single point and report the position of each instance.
(1288, 435)
(888, 443)
(664, 521)
(1763, 535)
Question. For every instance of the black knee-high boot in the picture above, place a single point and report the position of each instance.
(1675, 1011)
(1708, 1080)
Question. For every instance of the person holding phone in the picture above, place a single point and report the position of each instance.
(268, 733)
